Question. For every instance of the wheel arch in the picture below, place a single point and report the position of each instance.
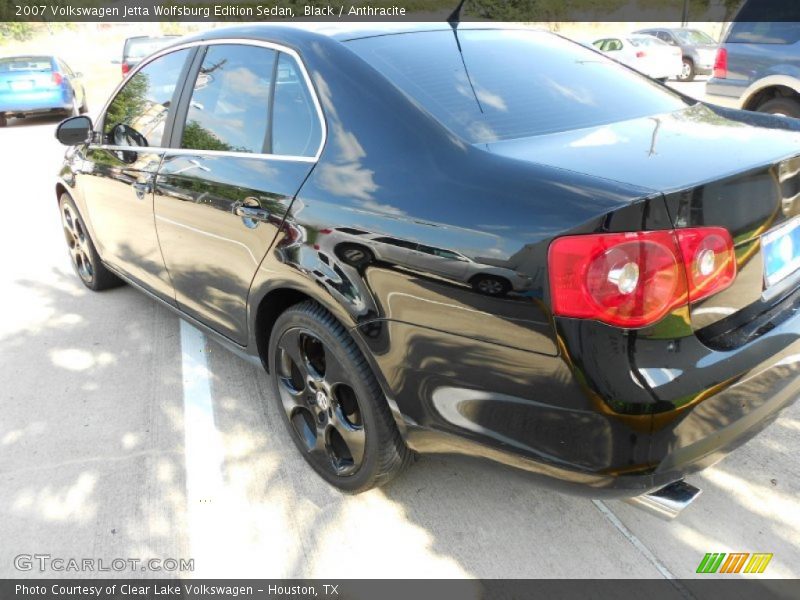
(768, 88)
(272, 300)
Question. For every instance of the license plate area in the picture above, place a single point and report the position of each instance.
(781, 251)
(21, 86)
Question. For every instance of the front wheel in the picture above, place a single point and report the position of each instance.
(490, 285)
(331, 403)
(85, 260)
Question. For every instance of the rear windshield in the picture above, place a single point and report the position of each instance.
(766, 22)
(145, 46)
(26, 63)
(692, 36)
(508, 84)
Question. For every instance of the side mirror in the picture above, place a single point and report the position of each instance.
(74, 131)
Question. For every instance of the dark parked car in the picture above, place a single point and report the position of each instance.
(758, 63)
(698, 48)
(36, 85)
(659, 329)
(138, 47)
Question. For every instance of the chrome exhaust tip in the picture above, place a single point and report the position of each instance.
(669, 501)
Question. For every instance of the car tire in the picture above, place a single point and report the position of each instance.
(331, 403)
(787, 107)
(688, 73)
(355, 255)
(85, 259)
(84, 106)
(489, 285)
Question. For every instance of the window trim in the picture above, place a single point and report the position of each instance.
(183, 82)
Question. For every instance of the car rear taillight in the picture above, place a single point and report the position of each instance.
(641, 54)
(633, 280)
(721, 63)
(125, 68)
(57, 78)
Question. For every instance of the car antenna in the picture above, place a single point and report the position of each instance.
(454, 19)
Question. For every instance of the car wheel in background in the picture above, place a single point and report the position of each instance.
(84, 107)
(785, 107)
(490, 285)
(333, 407)
(354, 255)
(85, 260)
(687, 72)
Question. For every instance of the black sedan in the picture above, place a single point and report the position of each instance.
(484, 241)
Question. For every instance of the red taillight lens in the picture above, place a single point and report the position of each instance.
(721, 63)
(641, 54)
(709, 260)
(125, 68)
(57, 78)
(635, 279)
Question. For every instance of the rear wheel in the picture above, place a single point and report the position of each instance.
(85, 260)
(687, 70)
(331, 403)
(784, 107)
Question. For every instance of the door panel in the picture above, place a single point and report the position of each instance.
(119, 171)
(211, 252)
(221, 197)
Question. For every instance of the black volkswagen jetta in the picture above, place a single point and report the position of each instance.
(484, 241)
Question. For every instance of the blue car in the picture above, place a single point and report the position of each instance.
(34, 85)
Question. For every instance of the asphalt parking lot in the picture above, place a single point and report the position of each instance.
(125, 434)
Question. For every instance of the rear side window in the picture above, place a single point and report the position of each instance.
(296, 128)
(229, 108)
(512, 83)
(138, 113)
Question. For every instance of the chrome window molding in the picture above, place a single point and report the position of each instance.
(226, 41)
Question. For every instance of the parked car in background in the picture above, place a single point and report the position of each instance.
(35, 85)
(662, 334)
(138, 47)
(645, 53)
(758, 63)
(698, 49)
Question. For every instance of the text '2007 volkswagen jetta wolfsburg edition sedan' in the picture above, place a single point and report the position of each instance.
(492, 242)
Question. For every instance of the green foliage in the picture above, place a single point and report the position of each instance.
(197, 136)
(15, 31)
(129, 103)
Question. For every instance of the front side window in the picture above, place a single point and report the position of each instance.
(229, 108)
(138, 113)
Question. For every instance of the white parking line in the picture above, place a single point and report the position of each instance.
(202, 450)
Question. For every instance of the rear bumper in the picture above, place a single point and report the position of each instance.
(725, 92)
(615, 414)
(34, 102)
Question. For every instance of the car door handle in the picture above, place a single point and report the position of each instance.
(142, 189)
(252, 212)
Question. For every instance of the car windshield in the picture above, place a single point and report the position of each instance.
(692, 36)
(25, 63)
(145, 46)
(512, 83)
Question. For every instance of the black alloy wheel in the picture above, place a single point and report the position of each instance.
(355, 255)
(333, 407)
(85, 260)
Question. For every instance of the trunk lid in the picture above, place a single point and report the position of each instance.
(24, 74)
(713, 171)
